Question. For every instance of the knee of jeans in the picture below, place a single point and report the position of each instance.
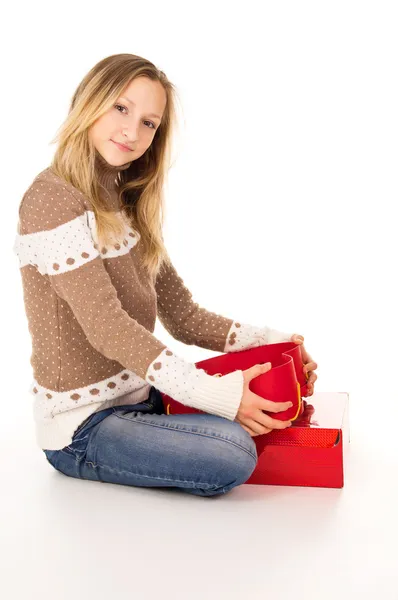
(240, 466)
(243, 453)
(245, 439)
(51, 456)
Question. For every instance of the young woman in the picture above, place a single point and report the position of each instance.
(95, 275)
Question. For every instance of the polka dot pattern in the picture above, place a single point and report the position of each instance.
(92, 311)
(192, 386)
(69, 245)
(242, 336)
(119, 384)
(184, 318)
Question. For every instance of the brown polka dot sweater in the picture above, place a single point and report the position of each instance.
(91, 314)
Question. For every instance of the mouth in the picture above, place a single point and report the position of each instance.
(122, 146)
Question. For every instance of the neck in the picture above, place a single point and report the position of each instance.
(106, 173)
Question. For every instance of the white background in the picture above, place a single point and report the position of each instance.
(281, 211)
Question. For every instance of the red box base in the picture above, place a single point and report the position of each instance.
(308, 453)
(311, 452)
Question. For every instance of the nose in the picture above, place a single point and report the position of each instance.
(130, 133)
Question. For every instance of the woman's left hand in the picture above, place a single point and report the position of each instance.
(309, 365)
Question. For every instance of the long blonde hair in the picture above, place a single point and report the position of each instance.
(141, 184)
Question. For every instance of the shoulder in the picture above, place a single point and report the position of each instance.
(49, 202)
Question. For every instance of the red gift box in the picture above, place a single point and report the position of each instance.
(308, 453)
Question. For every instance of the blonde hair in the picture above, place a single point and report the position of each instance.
(141, 184)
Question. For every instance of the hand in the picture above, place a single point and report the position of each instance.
(250, 414)
(309, 365)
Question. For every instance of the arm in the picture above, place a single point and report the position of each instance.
(55, 238)
(191, 324)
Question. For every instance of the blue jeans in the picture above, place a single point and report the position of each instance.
(139, 445)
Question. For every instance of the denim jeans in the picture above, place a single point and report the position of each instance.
(140, 445)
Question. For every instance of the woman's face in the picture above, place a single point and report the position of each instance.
(131, 121)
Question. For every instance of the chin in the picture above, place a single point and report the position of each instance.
(118, 157)
(110, 157)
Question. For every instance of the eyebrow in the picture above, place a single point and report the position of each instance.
(131, 102)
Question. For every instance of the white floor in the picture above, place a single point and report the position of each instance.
(64, 538)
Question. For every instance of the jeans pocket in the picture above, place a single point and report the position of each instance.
(81, 437)
(77, 448)
(82, 425)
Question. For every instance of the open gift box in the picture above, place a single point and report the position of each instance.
(311, 451)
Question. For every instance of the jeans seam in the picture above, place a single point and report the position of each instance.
(172, 480)
(193, 433)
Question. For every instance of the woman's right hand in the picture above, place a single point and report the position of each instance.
(250, 413)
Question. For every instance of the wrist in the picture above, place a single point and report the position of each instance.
(243, 336)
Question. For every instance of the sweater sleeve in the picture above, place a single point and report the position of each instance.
(55, 238)
(190, 323)
(184, 318)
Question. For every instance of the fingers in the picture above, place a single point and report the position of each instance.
(266, 421)
(278, 406)
(310, 383)
(296, 337)
(311, 366)
(253, 433)
(255, 428)
(276, 423)
(274, 406)
(312, 378)
(263, 424)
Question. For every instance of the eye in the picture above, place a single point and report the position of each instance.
(120, 106)
(117, 106)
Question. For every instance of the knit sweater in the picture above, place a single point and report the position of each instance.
(91, 313)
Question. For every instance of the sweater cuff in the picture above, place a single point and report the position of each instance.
(243, 336)
(220, 396)
(274, 336)
(191, 386)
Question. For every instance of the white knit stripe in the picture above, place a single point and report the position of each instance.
(70, 245)
(57, 432)
(130, 234)
(54, 433)
(274, 336)
(188, 384)
(50, 402)
(242, 336)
